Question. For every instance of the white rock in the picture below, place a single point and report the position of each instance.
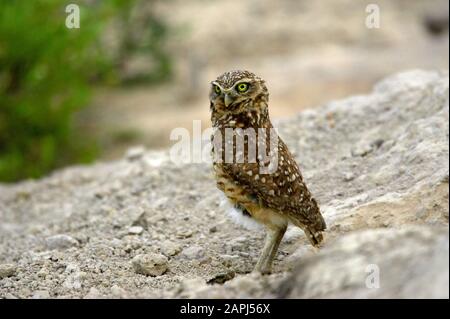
(349, 176)
(61, 241)
(71, 268)
(150, 264)
(7, 270)
(228, 260)
(135, 230)
(170, 248)
(74, 280)
(135, 153)
(193, 252)
(392, 257)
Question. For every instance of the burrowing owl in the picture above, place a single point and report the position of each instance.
(268, 186)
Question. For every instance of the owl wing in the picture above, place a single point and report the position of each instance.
(282, 190)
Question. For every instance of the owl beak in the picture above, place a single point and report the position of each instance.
(228, 100)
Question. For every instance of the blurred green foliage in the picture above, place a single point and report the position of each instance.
(46, 71)
(144, 33)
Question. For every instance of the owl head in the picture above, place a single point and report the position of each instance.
(237, 91)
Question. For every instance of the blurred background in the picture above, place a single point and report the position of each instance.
(136, 69)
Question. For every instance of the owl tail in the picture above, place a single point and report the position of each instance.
(315, 238)
(317, 225)
(314, 232)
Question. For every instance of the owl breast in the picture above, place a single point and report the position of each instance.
(235, 192)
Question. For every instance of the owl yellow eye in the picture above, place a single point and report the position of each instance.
(217, 89)
(242, 87)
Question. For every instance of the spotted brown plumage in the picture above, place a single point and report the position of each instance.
(239, 103)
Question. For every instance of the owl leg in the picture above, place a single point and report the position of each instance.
(272, 242)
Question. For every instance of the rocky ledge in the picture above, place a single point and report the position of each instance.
(144, 227)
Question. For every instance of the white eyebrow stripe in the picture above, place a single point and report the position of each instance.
(245, 80)
(242, 81)
(217, 84)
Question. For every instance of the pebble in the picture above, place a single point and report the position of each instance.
(74, 280)
(377, 143)
(7, 270)
(41, 294)
(211, 214)
(61, 241)
(361, 150)
(193, 252)
(43, 273)
(349, 176)
(228, 260)
(135, 230)
(221, 278)
(150, 264)
(184, 233)
(170, 248)
(135, 153)
(213, 229)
